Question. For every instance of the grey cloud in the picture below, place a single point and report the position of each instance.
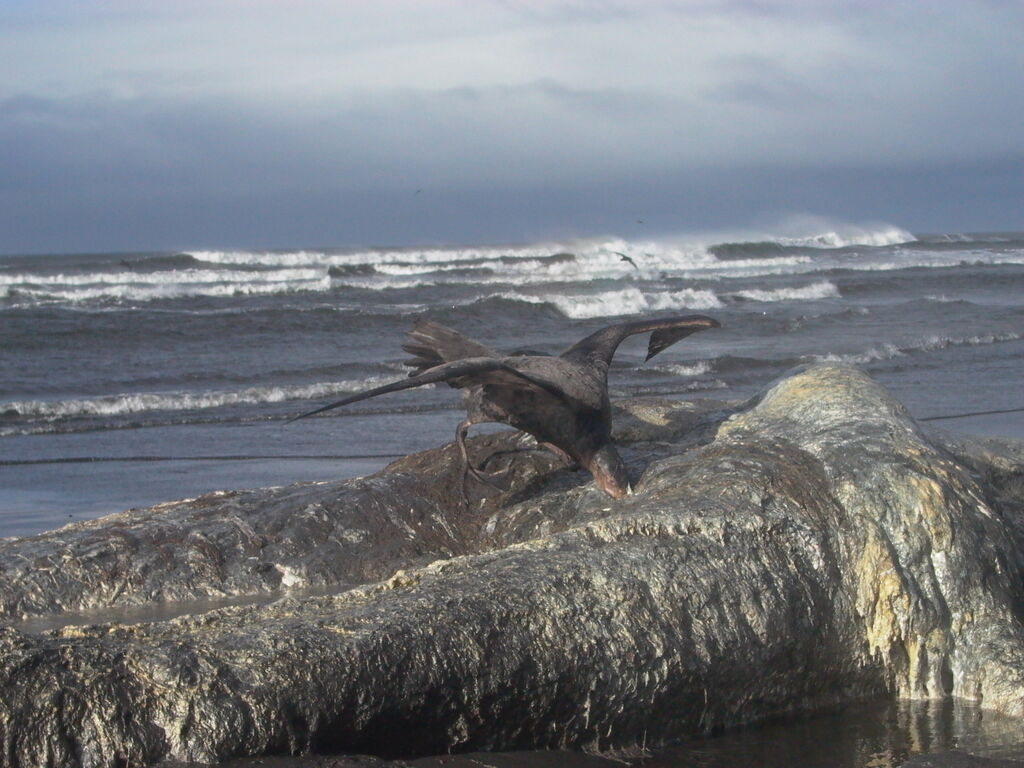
(609, 100)
(765, 83)
(637, 121)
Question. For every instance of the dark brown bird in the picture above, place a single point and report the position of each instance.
(562, 401)
(624, 257)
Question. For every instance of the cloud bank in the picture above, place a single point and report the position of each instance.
(135, 124)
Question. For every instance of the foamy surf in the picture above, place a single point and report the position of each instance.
(627, 301)
(876, 238)
(170, 290)
(684, 370)
(643, 265)
(820, 290)
(139, 402)
(169, 277)
(929, 343)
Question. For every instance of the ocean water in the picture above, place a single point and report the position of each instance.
(130, 379)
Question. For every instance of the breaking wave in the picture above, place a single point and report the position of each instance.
(136, 402)
(820, 290)
(374, 257)
(880, 352)
(681, 369)
(633, 300)
(174, 277)
(941, 342)
(174, 290)
(926, 344)
(627, 301)
(852, 236)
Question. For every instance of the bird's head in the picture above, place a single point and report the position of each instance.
(609, 472)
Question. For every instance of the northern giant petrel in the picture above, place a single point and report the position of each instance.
(562, 401)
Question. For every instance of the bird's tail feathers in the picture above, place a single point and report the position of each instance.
(432, 344)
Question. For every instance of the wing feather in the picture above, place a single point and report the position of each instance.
(666, 331)
(467, 372)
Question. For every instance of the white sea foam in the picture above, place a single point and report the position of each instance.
(880, 352)
(851, 236)
(171, 290)
(242, 273)
(925, 344)
(824, 232)
(596, 259)
(941, 342)
(373, 257)
(523, 265)
(386, 284)
(627, 301)
(139, 402)
(679, 369)
(820, 290)
(171, 277)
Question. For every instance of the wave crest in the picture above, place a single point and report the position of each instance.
(820, 290)
(627, 301)
(926, 344)
(139, 402)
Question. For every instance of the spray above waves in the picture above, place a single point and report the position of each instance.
(810, 231)
(832, 239)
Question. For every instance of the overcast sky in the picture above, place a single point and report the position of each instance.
(133, 124)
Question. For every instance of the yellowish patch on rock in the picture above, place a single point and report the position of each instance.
(933, 511)
(881, 597)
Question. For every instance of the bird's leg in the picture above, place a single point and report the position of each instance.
(460, 436)
(569, 460)
(467, 468)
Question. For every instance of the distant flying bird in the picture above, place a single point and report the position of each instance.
(562, 401)
(624, 257)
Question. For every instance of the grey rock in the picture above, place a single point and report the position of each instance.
(809, 548)
(959, 760)
(238, 544)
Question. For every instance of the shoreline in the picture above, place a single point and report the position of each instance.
(41, 496)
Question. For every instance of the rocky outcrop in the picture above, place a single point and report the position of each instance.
(959, 760)
(811, 547)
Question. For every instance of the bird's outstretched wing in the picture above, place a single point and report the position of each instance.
(665, 331)
(624, 257)
(461, 373)
(432, 344)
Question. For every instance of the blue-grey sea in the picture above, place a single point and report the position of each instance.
(134, 378)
